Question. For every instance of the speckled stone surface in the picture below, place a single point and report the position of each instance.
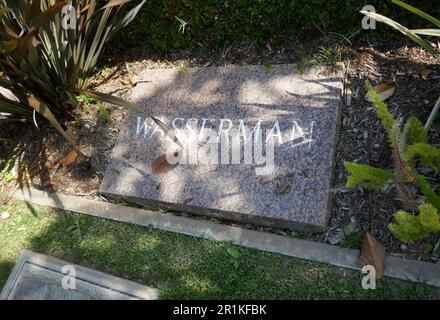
(306, 108)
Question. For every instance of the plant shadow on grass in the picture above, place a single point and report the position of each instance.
(5, 270)
(184, 267)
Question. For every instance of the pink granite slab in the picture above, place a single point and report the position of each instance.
(306, 108)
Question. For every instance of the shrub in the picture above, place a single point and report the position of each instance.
(412, 228)
(408, 146)
(44, 64)
(215, 24)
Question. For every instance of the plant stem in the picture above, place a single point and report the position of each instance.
(433, 114)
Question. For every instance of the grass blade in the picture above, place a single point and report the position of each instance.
(427, 32)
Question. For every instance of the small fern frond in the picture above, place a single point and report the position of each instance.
(416, 132)
(412, 228)
(381, 110)
(367, 176)
(407, 227)
(429, 217)
(429, 155)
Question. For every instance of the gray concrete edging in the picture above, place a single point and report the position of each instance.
(395, 267)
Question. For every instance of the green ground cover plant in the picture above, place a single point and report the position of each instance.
(215, 24)
(410, 149)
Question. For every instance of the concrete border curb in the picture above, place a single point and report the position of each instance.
(398, 268)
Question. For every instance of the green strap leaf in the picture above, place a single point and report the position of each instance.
(114, 3)
(427, 32)
(418, 12)
(44, 110)
(47, 15)
(414, 37)
(128, 104)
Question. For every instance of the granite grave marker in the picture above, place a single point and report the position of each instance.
(299, 113)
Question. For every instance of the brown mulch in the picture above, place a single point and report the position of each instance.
(362, 138)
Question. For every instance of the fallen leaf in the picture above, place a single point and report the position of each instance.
(384, 90)
(126, 81)
(130, 80)
(425, 73)
(373, 253)
(69, 158)
(265, 179)
(283, 187)
(161, 164)
(49, 165)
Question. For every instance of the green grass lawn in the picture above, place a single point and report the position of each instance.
(181, 267)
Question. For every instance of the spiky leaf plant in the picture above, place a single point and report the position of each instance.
(407, 145)
(49, 50)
